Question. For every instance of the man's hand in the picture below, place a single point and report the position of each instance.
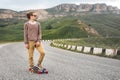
(37, 44)
(27, 46)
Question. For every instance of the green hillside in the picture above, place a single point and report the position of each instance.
(11, 30)
(66, 27)
(105, 24)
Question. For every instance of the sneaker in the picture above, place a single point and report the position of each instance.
(31, 69)
(39, 66)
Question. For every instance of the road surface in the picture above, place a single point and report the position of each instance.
(61, 64)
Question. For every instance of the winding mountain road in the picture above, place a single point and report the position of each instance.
(61, 64)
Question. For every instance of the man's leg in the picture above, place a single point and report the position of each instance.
(30, 53)
(42, 54)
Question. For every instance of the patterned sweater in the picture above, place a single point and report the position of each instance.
(32, 32)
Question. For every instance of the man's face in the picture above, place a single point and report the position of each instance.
(34, 16)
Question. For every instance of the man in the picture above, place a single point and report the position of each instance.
(32, 39)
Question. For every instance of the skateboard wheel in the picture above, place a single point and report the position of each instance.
(38, 72)
(46, 72)
(30, 69)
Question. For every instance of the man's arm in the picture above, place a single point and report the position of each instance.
(25, 34)
(39, 33)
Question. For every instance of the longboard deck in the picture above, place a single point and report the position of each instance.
(38, 71)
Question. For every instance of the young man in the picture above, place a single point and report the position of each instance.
(32, 39)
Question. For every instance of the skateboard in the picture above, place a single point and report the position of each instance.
(35, 69)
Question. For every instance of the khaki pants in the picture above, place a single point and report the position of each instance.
(31, 50)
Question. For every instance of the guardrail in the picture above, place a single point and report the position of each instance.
(85, 49)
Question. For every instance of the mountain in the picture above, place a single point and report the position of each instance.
(62, 10)
(7, 13)
(64, 21)
(83, 8)
(73, 9)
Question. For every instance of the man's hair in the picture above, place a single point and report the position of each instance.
(29, 14)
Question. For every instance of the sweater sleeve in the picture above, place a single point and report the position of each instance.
(25, 34)
(39, 33)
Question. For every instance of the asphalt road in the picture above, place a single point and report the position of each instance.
(61, 64)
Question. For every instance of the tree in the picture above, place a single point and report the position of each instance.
(49, 27)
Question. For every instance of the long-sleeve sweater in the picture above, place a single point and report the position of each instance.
(32, 32)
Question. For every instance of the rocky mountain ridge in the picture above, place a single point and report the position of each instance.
(62, 10)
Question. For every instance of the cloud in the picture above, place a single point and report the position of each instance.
(42, 4)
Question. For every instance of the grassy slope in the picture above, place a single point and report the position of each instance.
(13, 31)
(67, 27)
(104, 24)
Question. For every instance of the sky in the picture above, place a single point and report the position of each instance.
(20, 5)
